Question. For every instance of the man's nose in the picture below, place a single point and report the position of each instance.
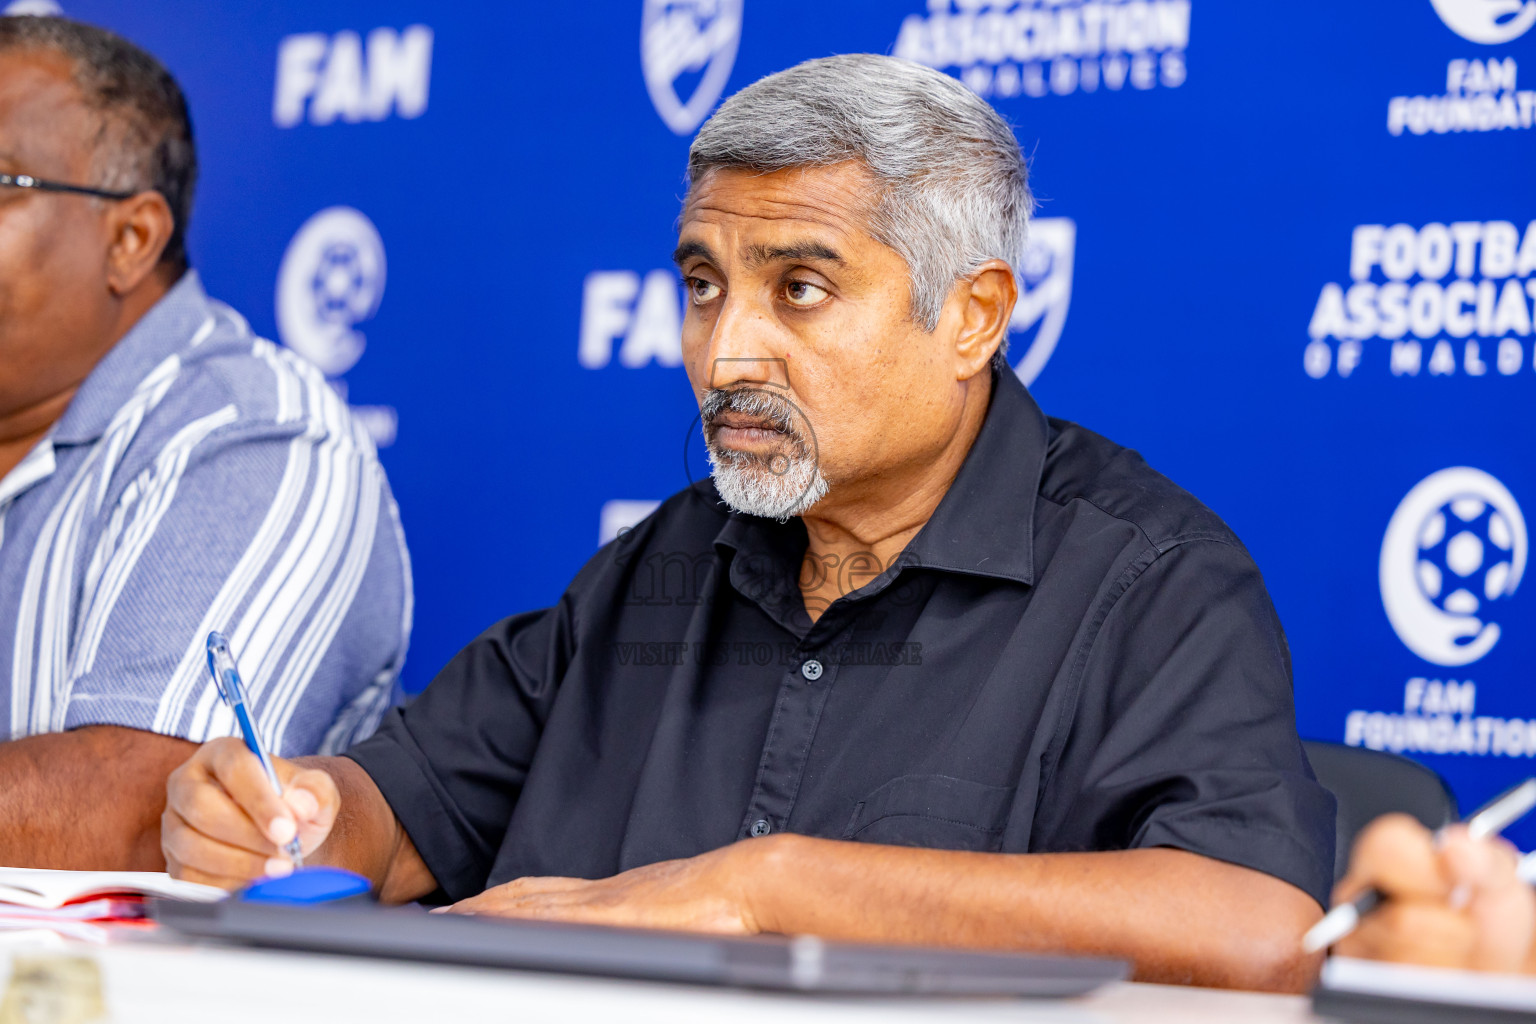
(744, 349)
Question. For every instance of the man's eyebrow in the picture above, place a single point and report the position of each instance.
(688, 250)
(794, 252)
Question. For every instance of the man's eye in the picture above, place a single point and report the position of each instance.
(702, 291)
(803, 293)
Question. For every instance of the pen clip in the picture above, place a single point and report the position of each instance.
(221, 664)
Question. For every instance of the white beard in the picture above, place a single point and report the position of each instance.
(785, 483)
(749, 485)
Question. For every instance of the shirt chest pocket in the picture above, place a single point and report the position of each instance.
(934, 811)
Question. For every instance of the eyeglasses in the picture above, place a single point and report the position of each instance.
(27, 181)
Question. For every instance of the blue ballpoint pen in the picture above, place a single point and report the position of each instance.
(221, 662)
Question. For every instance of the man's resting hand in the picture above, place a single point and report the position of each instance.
(707, 893)
(224, 825)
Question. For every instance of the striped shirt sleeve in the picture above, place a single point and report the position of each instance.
(281, 533)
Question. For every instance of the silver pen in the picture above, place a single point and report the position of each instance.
(1491, 819)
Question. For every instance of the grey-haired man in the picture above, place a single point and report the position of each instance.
(918, 665)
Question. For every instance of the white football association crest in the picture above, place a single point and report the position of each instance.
(1455, 548)
(1045, 277)
(1487, 21)
(331, 279)
(691, 40)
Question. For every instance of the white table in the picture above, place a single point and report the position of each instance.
(167, 984)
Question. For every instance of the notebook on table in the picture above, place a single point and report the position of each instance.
(1369, 992)
(79, 903)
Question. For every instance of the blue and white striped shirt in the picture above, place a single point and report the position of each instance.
(202, 478)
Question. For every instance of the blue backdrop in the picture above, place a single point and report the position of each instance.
(1287, 251)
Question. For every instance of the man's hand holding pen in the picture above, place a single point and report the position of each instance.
(241, 823)
(1451, 900)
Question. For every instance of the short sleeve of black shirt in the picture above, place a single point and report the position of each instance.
(453, 763)
(1179, 735)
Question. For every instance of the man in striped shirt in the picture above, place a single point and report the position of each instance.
(163, 473)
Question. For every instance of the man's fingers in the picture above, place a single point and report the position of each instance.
(302, 803)
(197, 798)
(1481, 865)
(313, 799)
(1417, 933)
(187, 874)
(193, 851)
(1501, 907)
(239, 772)
(225, 824)
(1453, 901)
(1397, 855)
(532, 884)
(549, 906)
(523, 897)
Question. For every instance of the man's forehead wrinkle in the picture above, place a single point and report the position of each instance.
(815, 195)
(811, 215)
(771, 208)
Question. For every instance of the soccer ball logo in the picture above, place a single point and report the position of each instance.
(340, 286)
(331, 280)
(1465, 555)
(1455, 548)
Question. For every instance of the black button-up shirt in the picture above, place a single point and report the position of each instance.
(1072, 654)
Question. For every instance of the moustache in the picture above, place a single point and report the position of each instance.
(770, 410)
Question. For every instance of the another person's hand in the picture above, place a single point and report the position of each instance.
(1452, 903)
(223, 824)
(707, 893)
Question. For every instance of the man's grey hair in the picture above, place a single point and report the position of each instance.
(953, 186)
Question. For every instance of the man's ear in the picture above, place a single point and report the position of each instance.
(989, 293)
(138, 229)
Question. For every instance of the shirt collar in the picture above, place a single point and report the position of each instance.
(765, 563)
(985, 523)
(37, 466)
(983, 526)
(168, 327)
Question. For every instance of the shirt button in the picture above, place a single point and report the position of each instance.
(760, 828)
(811, 670)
